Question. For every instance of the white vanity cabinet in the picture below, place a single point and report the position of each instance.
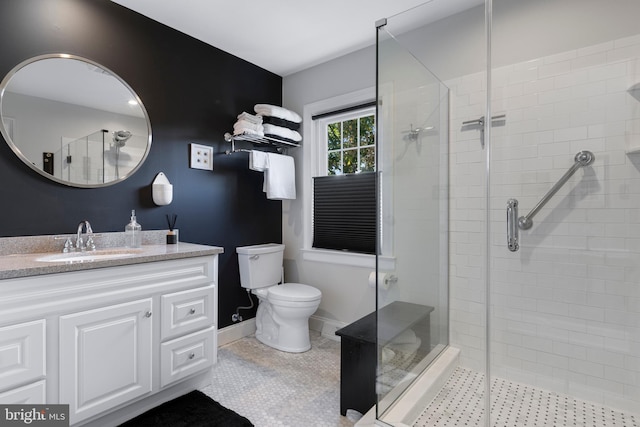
(111, 342)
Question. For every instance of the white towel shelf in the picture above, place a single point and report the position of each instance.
(254, 139)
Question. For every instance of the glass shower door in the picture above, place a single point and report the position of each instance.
(82, 160)
(412, 159)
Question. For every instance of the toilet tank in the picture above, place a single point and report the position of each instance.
(260, 265)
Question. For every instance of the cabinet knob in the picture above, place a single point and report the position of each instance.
(192, 355)
(148, 314)
(192, 311)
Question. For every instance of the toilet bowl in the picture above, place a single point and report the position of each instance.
(282, 320)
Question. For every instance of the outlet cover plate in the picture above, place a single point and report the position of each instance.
(201, 157)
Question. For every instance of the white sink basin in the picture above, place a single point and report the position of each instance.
(99, 255)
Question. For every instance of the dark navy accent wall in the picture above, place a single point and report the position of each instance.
(192, 92)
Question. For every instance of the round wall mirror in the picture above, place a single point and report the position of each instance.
(74, 121)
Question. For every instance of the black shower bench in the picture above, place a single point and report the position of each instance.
(358, 356)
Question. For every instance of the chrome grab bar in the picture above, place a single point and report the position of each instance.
(583, 158)
(512, 225)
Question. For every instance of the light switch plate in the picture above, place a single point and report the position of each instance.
(201, 157)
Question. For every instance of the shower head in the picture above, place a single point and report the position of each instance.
(120, 137)
(413, 133)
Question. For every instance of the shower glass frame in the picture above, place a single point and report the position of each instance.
(412, 164)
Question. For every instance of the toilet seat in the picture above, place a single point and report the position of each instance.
(293, 292)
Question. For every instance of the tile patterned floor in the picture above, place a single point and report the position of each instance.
(461, 403)
(277, 389)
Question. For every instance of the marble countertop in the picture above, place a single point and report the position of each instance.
(19, 256)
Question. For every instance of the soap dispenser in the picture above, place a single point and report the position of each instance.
(133, 232)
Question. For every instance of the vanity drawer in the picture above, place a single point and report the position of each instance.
(187, 311)
(22, 353)
(187, 355)
(32, 394)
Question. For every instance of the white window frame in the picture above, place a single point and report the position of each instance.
(315, 164)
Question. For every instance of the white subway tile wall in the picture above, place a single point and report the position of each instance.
(565, 308)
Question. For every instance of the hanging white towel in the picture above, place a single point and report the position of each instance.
(280, 177)
(258, 161)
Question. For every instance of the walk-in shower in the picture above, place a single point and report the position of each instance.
(530, 323)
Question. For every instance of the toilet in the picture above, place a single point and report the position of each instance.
(282, 320)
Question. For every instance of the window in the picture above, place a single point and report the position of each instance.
(351, 143)
(344, 193)
(315, 158)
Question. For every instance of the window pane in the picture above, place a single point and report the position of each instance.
(350, 162)
(333, 136)
(350, 133)
(367, 130)
(367, 159)
(334, 163)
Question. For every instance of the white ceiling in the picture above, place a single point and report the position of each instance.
(287, 36)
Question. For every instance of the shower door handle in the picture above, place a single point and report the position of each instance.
(512, 225)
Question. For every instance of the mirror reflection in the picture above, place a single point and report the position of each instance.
(74, 121)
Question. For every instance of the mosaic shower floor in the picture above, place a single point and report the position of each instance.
(277, 389)
(460, 403)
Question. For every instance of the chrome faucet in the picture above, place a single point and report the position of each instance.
(80, 245)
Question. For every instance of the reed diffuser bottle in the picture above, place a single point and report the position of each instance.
(172, 234)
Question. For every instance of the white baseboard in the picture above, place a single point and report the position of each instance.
(326, 327)
(235, 332)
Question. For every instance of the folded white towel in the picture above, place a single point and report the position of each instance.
(282, 132)
(386, 355)
(241, 131)
(280, 177)
(275, 111)
(243, 124)
(405, 337)
(258, 161)
(250, 118)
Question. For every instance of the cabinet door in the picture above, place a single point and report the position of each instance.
(32, 394)
(105, 357)
(22, 353)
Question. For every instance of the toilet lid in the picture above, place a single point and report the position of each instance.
(294, 292)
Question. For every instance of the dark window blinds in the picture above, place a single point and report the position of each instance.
(344, 216)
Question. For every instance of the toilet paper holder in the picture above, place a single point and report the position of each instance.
(391, 279)
(383, 280)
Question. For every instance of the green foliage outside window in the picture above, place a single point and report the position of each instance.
(351, 146)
